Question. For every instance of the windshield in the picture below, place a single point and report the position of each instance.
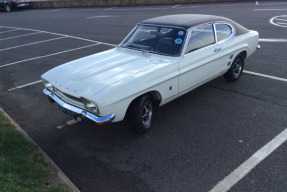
(156, 39)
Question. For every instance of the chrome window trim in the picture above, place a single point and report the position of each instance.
(215, 34)
(232, 34)
(155, 25)
(189, 34)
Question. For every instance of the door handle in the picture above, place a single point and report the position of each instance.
(217, 49)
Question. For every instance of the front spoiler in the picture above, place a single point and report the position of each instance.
(82, 112)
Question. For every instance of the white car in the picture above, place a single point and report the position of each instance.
(161, 59)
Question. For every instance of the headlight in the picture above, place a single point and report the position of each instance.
(91, 106)
(48, 85)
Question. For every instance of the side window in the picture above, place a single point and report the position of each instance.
(200, 37)
(223, 31)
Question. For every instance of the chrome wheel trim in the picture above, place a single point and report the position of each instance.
(147, 113)
(7, 8)
(237, 68)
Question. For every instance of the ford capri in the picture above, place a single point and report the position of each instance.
(160, 59)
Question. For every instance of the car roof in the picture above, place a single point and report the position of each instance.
(190, 20)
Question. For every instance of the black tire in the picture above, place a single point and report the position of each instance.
(141, 113)
(235, 69)
(7, 8)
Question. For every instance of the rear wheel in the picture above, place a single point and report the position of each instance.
(7, 8)
(141, 114)
(236, 69)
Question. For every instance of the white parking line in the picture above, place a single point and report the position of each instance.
(273, 40)
(252, 162)
(32, 43)
(101, 16)
(208, 6)
(25, 85)
(70, 122)
(266, 76)
(256, 3)
(110, 8)
(74, 37)
(95, 10)
(144, 8)
(34, 58)
(270, 9)
(10, 31)
(176, 6)
(273, 3)
(73, 121)
(20, 36)
(54, 10)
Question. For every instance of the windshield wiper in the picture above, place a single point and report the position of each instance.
(137, 48)
(131, 46)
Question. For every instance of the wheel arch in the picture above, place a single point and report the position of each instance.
(156, 96)
(243, 53)
(7, 3)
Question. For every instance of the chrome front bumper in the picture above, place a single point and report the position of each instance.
(79, 111)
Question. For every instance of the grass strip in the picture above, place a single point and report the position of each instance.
(22, 167)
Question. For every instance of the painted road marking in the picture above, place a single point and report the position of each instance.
(73, 121)
(279, 20)
(273, 40)
(32, 43)
(70, 122)
(110, 8)
(25, 85)
(176, 6)
(134, 9)
(256, 3)
(10, 31)
(266, 76)
(252, 162)
(273, 3)
(60, 126)
(20, 36)
(54, 10)
(34, 58)
(208, 6)
(282, 19)
(74, 37)
(270, 9)
(101, 16)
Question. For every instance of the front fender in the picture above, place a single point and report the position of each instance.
(117, 97)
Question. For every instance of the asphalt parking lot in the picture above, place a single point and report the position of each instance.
(197, 140)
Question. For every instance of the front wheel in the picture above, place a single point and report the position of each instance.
(7, 8)
(236, 69)
(141, 114)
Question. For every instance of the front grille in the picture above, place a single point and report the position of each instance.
(73, 98)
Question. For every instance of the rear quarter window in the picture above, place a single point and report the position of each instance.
(223, 31)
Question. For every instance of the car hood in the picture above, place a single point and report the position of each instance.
(90, 75)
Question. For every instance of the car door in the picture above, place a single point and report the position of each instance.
(201, 60)
(224, 35)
